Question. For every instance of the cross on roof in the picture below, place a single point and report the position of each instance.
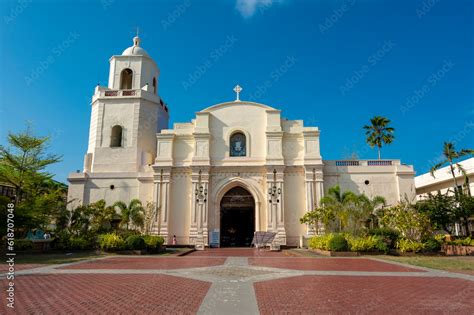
(237, 91)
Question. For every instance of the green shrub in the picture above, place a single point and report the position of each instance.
(406, 245)
(337, 243)
(432, 245)
(23, 244)
(320, 242)
(153, 242)
(388, 235)
(367, 244)
(463, 242)
(78, 242)
(61, 240)
(111, 242)
(126, 233)
(135, 242)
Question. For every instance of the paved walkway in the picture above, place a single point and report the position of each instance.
(239, 281)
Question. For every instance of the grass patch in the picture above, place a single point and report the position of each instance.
(462, 264)
(70, 257)
(55, 258)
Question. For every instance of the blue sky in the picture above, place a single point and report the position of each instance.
(333, 63)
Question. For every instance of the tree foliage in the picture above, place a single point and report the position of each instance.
(23, 164)
(343, 212)
(406, 219)
(134, 213)
(452, 157)
(379, 132)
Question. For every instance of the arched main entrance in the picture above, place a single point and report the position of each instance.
(237, 213)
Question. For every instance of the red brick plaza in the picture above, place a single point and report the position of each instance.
(238, 281)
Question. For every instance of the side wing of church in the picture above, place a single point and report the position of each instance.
(236, 168)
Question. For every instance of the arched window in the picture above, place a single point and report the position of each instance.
(238, 144)
(116, 137)
(126, 78)
(154, 85)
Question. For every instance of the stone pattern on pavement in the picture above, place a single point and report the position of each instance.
(106, 294)
(148, 263)
(334, 264)
(239, 281)
(382, 295)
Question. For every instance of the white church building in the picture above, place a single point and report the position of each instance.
(236, 168)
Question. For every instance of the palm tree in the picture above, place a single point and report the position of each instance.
(378, 132)
(134, 213)
(451, 156)
(340, 204)
(369, 208)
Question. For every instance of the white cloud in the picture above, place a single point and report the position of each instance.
(249, 7)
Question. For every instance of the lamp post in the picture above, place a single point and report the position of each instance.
(274, 193)
(201, 198)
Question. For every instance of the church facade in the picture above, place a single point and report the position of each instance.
(236, 168)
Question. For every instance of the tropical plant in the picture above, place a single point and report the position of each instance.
(348, 211)
(135, 242)
(314, 217)
(451, 157)
(23, 164)
(366, 243)
(154, 242)
(133, 214)
(410, 223)
(368, 209)
(379, 132)
(406, 245)
(464, 211)
(338, 243)
(340, 204)
(111, 242)
(441, 209)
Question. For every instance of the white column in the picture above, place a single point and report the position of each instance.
(257, 216)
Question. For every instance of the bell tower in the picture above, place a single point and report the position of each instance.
(126, 115)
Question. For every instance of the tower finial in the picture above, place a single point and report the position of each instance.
(237, 91)
(136, 39)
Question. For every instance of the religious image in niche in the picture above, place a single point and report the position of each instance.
(238, 145)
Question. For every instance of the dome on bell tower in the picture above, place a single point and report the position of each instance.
(135, 50)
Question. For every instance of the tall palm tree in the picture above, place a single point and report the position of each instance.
(451, 157)
(379, 133)
(134, 213)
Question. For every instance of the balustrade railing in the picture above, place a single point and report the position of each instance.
(347, 163)
(364, 163)
(379, 163)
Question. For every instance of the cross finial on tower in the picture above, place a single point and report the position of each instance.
(237, 91)
(137, 30)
